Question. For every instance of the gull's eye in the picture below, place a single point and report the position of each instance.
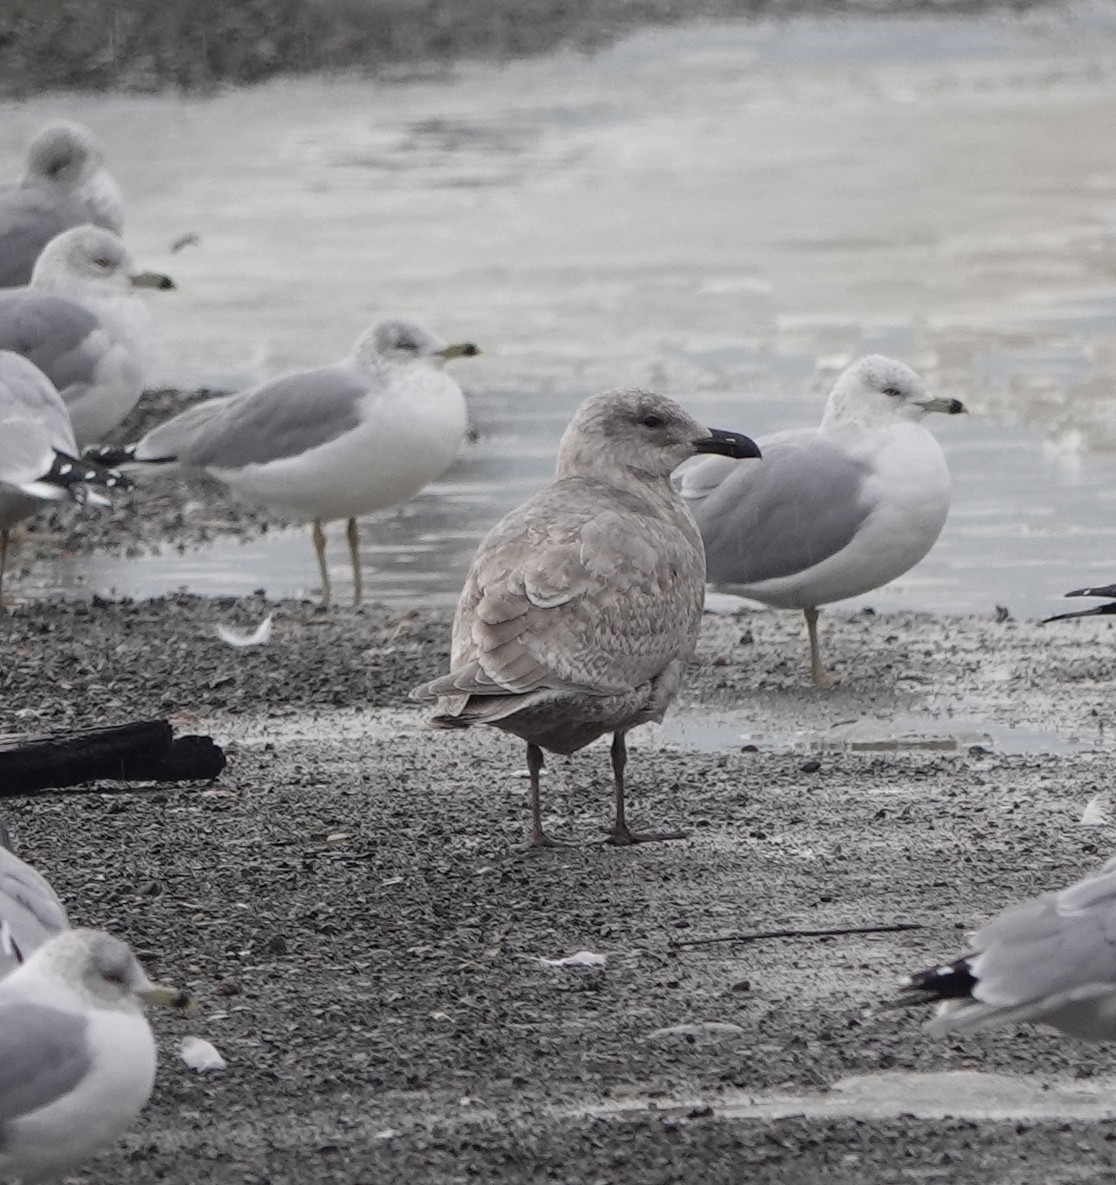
(407, 343)
(653, 421)
(115, 977)
(101, 262)
(894, 392)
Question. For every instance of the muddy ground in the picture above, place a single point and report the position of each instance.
(354, 907)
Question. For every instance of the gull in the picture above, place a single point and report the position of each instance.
(83, 325)
(335, 442)
(38, 453)
(64, 184)
(30, 912)
(834, 511)
(1050, 960)
(1104, 590)
(77, 1057)
(582, 606)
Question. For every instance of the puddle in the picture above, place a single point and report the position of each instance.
(935, 188)
(958, 1094)
(713, 731)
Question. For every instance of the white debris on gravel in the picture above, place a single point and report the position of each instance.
(260, 636)
(1094, 814)
(199, 1055)
(583, 958)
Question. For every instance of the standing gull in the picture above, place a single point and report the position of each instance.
(77, 1058)
(1050, 960)
(834, 511)
(336, 442)
(38, 453)
(82, 323)
(582, 606)
(30, 912)
(64, 184)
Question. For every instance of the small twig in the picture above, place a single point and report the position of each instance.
(756, 935)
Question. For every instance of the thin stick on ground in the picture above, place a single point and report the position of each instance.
(757, 935)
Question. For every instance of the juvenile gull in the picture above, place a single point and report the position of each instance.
(833, 511)
(77, 1058)
(1050, 960)
(64, 184)
(30, 912)
(1104, 590)
(336, 442)
(582, 605)
(81, 322)
(38, 453)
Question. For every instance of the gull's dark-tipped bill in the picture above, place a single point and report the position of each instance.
(728, 444)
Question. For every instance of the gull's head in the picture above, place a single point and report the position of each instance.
(92, 258)
(400, 342)
(875, 387)
(102, 970)
(63, 154)
(642, 433)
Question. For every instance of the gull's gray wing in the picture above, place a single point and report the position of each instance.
(44, 1054)
(1055, 944)
(281, 418)
(63, 339)
(29, 218)
(30, 911)
(33, 422)
(763, 520)
(583, 588)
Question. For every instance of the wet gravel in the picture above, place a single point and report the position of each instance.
(352, 903)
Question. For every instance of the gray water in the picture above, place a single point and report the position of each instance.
(723, 212)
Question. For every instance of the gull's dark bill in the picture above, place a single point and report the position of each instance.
(728, 444)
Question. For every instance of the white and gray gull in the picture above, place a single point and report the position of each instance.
(64, 184)
(334, 442)
(1050, 960)
(834, 511)
(30, 912)
(38, 453)
(582, 606)
(77, 1058)
(83, 324)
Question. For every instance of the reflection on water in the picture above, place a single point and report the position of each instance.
(720, 212)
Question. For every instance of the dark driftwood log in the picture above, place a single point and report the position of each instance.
(146, 751)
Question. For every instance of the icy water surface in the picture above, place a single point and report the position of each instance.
(722, 212)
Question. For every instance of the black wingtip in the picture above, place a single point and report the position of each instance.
(1098, 611)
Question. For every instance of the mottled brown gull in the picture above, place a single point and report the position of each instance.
(834, 511)
(1049, 960)
(581, 606)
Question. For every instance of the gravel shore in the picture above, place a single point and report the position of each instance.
(353, 905)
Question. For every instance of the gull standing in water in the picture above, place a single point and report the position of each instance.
(64, 184)
(77, 1058)
(84, 326)
(582, 606)
(834, 511)
(336, 442)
